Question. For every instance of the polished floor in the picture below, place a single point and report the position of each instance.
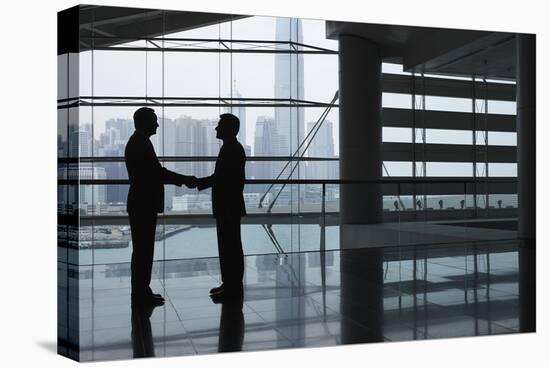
(301, 300)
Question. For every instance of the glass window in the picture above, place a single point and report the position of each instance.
(449, 169)
(62, 133)
(258, 28)
(112, 127)
(73, 75)
(451, 104)
(111, 171)
(189, 131)
(191, 74)
(496, 106)
(254, 75)
(85, 70)
(502, 107)
(503, 169)
(320, 170)
(397, 134)
(396, 100)
(326, 140)
(62, 76)
(445, 136)
(396, 169)
(112, 244)
(388, 68)
(81, 141)
(313, 34)
(503, 138)
(503, 201)
(320, 80)
(119, 73)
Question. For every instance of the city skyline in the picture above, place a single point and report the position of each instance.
(265, 131)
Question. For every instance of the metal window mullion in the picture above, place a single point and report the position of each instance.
(413, 115)
(92, 91)
(486, 117)
(92, 145)
(424, 137)
(163, 132)
(474, 155)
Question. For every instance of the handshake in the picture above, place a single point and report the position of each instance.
(189, 181)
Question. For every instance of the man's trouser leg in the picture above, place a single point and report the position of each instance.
(230, 250)
(143, 226)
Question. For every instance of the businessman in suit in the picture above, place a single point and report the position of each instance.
(145, 200)
(227, 184)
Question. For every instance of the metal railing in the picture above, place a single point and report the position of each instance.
(398, 187)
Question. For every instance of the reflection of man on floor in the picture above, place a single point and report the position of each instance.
(231, 334)
(146, 199)
(227, 184)
(142, 337)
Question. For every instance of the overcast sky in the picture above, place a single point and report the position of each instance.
(209, 74)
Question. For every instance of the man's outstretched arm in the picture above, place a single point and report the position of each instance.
(205, 182)
(170, 177)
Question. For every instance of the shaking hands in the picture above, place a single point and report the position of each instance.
(190, 181)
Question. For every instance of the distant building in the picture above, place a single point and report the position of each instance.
(322, 146)
(81, 143)
(240, 112)
(251, 199)
(90, 196)
(189, 202)
(267, 141)
(289, 83)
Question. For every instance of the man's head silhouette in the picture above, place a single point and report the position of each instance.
(228, 126)
(145, 121)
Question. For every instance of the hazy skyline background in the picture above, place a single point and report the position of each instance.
(211, 75)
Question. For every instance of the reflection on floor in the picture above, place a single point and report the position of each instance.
(420, 233)
(303, 300)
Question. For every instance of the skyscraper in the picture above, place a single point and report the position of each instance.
(289, 84)
(111, 143)
(322, 146)
(194, 138)
(240, 112)
(264, 136)
(83, 139)
(282, 135)
(91, 195)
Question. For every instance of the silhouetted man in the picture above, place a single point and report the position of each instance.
(145, 200)
(227, 184)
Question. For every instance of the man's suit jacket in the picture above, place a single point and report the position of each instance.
(147, 176)
(227, 182)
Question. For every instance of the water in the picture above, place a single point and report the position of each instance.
(201, 242)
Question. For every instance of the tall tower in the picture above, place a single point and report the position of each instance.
(240, 112)
(322, 146)
(289, 83)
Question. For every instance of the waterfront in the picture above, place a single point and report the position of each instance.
(200, 241)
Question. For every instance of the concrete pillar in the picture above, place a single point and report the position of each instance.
(360, 101)
(526, 119)
(527, 285)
